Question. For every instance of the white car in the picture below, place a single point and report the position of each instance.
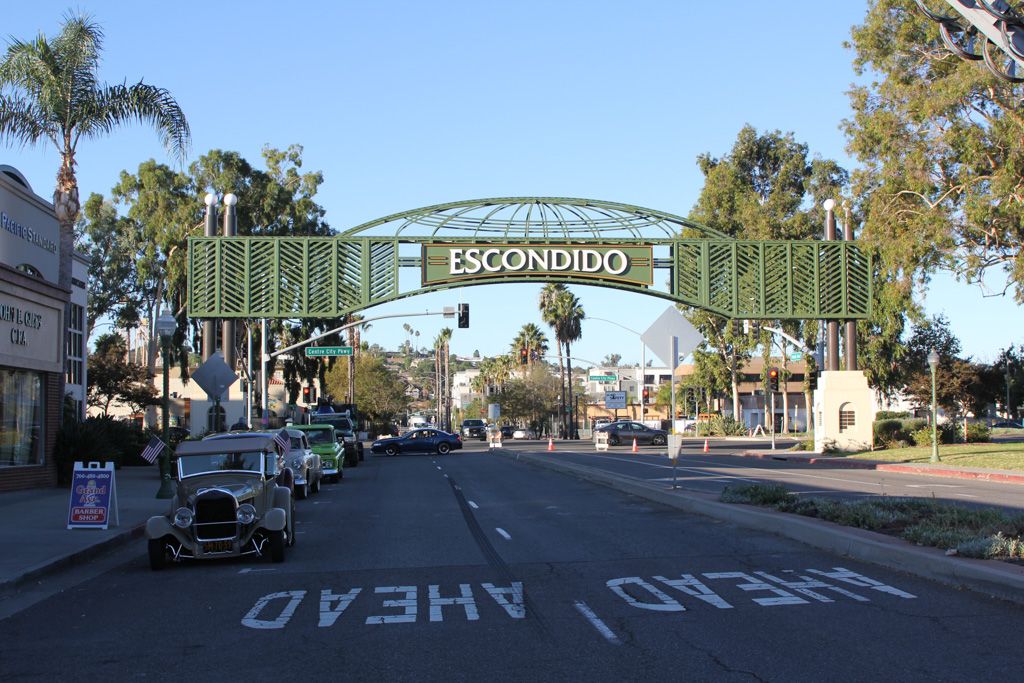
(524, 433)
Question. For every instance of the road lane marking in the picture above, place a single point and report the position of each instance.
(504, 534)
(250, 569)
(596, 622)
(438, 467)
(964, 495)
(473, 505)
(933, 486)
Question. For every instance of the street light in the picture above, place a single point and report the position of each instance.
(643, 362)
(933, 362)
(166, 325)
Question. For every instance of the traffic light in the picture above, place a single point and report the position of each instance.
(812, 381)
(524, 356)
(307, 394)
(463, 315)
(647, 396)
(773, 379)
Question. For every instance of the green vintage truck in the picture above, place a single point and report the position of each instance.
(324, 442)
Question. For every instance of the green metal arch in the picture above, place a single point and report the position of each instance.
(537, 217)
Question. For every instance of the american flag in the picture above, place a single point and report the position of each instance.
(283, 440)
(152, 450)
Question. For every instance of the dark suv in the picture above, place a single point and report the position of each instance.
(474, 429)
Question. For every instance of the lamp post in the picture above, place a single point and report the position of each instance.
(165, 327)
(1008, 390)
(933, 362)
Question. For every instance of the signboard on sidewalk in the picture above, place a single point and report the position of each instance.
(93, 496)
(614, 399)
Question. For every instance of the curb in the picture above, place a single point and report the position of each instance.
(57, 564)
(991, 577)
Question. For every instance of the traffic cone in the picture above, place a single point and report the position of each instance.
(635, 449)
(705, 445)
(551, 444)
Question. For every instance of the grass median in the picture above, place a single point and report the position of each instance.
(992, 456)
(984, 533)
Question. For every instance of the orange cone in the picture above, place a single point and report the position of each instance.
(635, 449)
(551, 444)
(705, 445)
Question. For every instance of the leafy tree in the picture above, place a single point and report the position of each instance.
(1010, 367)
(612, 359)
(112, 379)
(766, 187)
(941, 143)
(530, 399)
(51, 93)
(380, 391)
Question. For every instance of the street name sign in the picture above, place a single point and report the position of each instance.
(603, 378)
(320, 351)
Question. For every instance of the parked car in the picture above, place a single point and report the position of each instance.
(474, 429)
(1006, 424)
(324, 443)
(345, 431)
(419, 441)
(507, 431)
(524, 433)
(230, 500)
(306, 466)
(625, 431)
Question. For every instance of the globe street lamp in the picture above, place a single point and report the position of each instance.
(933, 362)
(165, 328)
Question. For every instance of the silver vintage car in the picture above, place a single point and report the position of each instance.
(233, 498)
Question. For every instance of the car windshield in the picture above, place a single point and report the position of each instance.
(297, 443)
(339, 423)
(473, 423)
(319, 437)
(247, 461)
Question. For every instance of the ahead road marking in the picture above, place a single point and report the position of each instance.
(504, 534)
(596, 622)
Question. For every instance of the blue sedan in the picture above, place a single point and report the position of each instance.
(418, 441)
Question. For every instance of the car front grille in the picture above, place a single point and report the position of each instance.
(215, 516)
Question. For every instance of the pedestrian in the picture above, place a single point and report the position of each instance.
(240, 425)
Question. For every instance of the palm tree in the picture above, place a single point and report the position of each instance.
(441, 354)
(548, 299)
(531, 338)
(569, 317)
(55, 95)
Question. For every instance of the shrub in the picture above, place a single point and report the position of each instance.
(887, 432)
(891, 415)
(977, 431)
(84, 441)
(720, 425)
(756, 494)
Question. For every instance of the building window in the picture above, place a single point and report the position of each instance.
(218, 424)
(847, 417)
(75, 344)
(21, 418)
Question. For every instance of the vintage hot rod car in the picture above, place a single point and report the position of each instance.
(232, 498)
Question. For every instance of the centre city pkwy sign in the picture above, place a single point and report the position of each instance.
(453, 262)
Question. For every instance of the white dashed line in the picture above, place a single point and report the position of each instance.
(473, 505)
(964, 495)
(438, 467)
(596, 622)
(504, 534)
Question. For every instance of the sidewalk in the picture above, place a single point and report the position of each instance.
(33, 526)
(928, 469)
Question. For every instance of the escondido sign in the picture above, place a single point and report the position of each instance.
(624, 263)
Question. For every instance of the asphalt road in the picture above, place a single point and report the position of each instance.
(470, 566)
(711, 472)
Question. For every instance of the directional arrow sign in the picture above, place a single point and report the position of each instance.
(319, 351)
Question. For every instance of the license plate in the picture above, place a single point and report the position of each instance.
(217, 547)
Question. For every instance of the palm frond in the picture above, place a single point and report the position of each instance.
(21, 123)
(114, 105)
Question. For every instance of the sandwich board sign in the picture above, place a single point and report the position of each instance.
(93, 496)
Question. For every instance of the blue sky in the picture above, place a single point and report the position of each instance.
(407, 104)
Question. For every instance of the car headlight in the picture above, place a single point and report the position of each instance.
(183, 518)
(246, 514)
(297, 462)
(350, 439)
